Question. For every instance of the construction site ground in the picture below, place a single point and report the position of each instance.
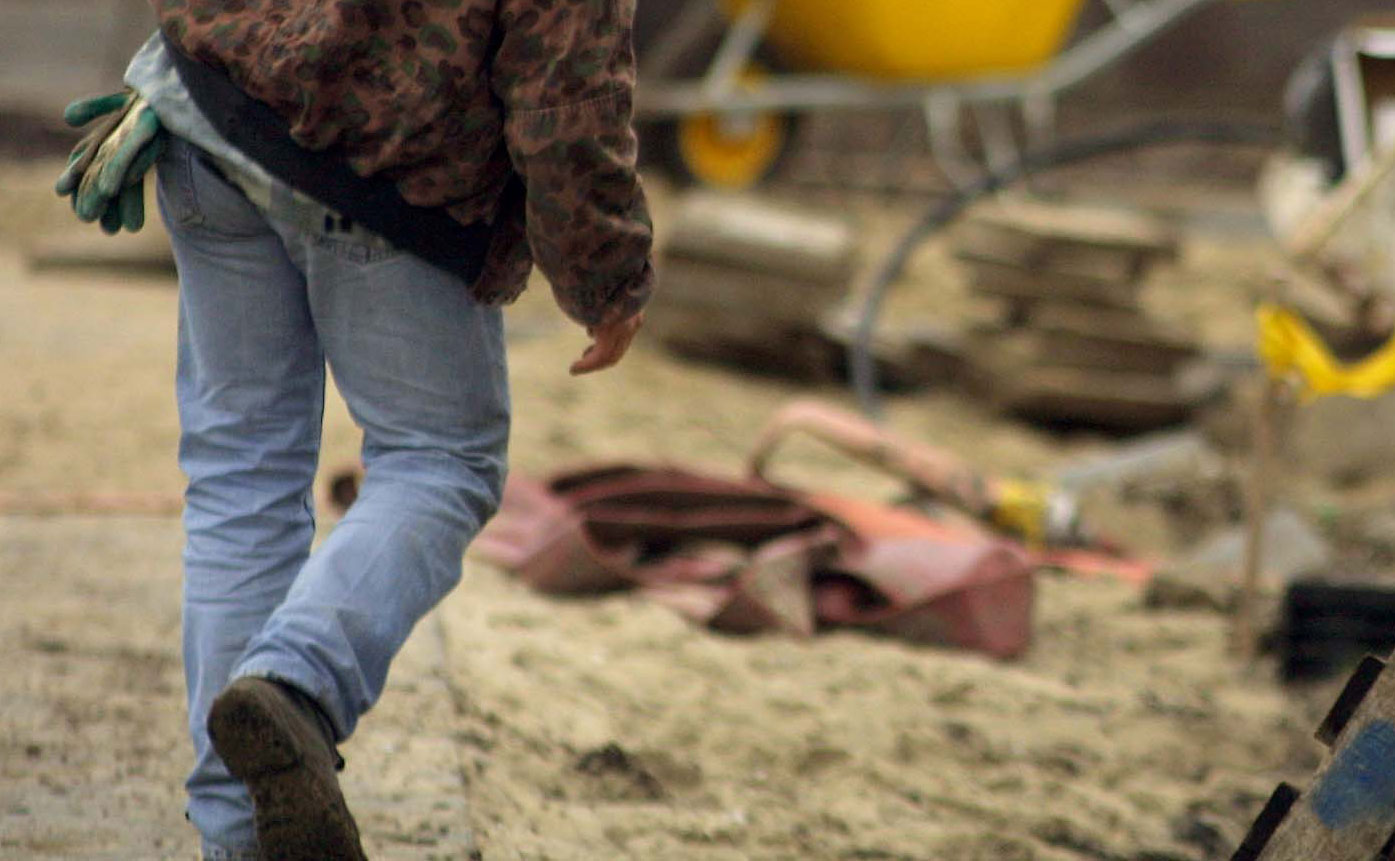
(526, 727)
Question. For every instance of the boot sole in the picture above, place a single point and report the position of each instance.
(299, 810)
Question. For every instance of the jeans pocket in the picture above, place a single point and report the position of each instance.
(175, 184)
(198, 197)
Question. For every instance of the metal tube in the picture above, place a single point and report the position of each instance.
(696, 21)
(1138, 23)
(736, 51)
(944, 132)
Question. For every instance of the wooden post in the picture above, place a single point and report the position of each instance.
(1245, 636)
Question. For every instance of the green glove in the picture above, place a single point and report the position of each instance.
(105, 171)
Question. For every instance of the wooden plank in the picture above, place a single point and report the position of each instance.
(1113, 399)
(1069, 350)
(1108, 339)
(1026, 286)
(727, 295)
(750, 343)
(1080, 225)
(909, 357)
(1347, 811)
(1126, 325)
(759, 236)
(672, 323)
(1044, 254)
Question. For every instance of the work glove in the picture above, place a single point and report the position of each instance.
(105, 171)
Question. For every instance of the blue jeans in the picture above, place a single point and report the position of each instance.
(263, 306)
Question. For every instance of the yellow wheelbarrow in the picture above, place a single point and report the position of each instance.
(728, 124)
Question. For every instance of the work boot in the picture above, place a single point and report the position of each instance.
(276, 740)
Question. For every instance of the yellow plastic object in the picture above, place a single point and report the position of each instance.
(1021, 509)
(917, 39)
(1290, 347)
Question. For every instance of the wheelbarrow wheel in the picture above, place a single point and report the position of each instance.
(726, 152)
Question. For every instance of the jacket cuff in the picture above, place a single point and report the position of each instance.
(625, 300)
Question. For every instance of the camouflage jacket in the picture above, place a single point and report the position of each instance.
(449, 98)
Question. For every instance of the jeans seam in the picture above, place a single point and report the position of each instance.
(211, 852)
(353, 252)
(190, 214)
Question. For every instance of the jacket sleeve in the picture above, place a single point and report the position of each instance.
(564, 72)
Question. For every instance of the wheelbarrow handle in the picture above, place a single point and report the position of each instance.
(929, 470)
(1033, 512)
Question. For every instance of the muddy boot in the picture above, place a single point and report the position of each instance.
(275, 739)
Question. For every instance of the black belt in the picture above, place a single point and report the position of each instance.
(264, 136)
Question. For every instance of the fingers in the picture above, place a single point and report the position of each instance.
(104, 171)
(597, 358)
(70, 177)
(104, 175)
(89, 202)
(84, 111)
(611, 342)
(111, 220)
(123, 151)
(131, 205)
(80, 161)
(588, 362)
(145, 159)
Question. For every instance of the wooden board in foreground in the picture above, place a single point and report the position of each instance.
(1347, 811)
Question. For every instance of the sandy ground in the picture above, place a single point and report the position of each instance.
(532, 728)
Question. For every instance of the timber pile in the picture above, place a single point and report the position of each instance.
(745, 282)
(1073, 344)
(765, 287)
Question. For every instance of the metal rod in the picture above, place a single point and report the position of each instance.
(1244, 636)
(1039, 118)
(736, 51)
(696, 21)
(1140, 22)
(944, 134)
(1000, 149)
(1119, 8)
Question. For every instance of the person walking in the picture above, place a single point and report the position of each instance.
(359, 184)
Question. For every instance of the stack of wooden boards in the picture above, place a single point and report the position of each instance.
(764, 286)
(746, 282)
(1072, 344)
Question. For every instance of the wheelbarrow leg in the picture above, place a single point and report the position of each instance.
(944, 130)
(994, 123)
(1039, 118)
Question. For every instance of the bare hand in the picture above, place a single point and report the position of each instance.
(609, 341)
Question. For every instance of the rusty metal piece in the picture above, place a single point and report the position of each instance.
(1052, 518)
